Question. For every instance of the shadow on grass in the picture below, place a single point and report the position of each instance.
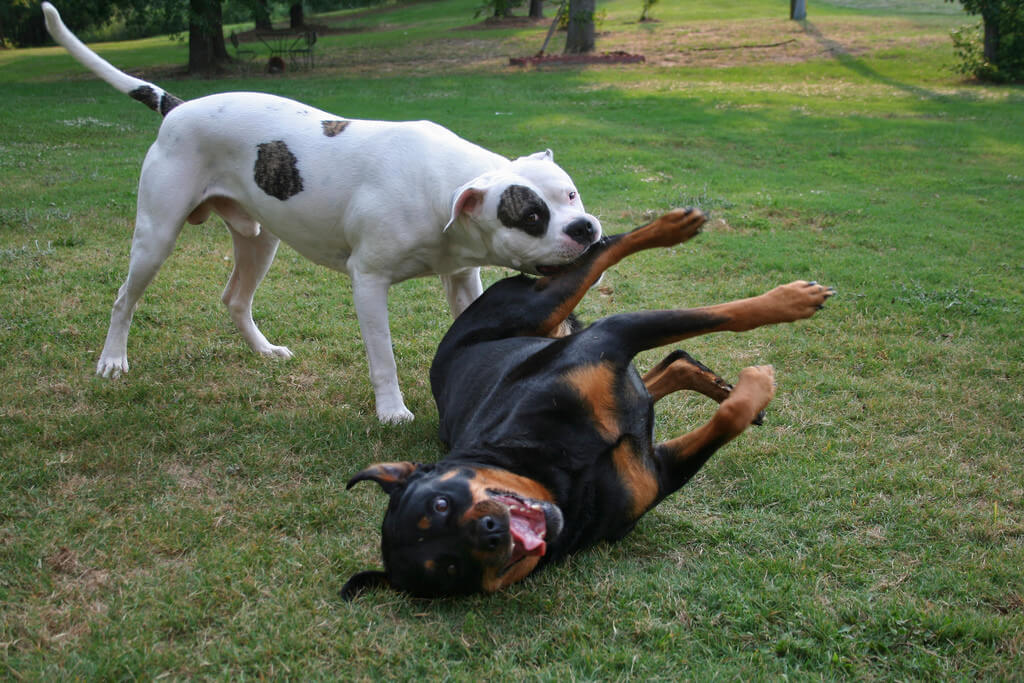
(858, 66)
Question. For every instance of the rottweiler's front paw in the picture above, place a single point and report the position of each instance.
(677, 226)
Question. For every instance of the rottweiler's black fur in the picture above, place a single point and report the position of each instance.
(551, 437)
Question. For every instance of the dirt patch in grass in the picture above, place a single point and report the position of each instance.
(618, 57)
(705, 44)
(726, 44)
(708, 44)
(508, 22)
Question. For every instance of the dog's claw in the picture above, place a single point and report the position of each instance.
(396, 416)
(111, 369)
(277, 352)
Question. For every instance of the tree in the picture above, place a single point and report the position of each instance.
(21, 21)
(296, 15)
(261, 15)
(536, 9)
(581, 27)
(797, 10)
(1002, 57)
(206, 49)
(645, 15)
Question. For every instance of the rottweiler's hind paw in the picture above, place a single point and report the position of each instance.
(753, 392)
(798, 300)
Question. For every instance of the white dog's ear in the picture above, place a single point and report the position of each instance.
(546, 155)
(468, 199)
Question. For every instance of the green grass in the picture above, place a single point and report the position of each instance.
(190, 519)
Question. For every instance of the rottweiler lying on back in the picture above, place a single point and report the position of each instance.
(551, 430)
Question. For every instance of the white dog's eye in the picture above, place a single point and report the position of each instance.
(572, 195)
(533, 218)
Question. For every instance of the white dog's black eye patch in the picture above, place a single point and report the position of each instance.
(277, 171)
(522, 208)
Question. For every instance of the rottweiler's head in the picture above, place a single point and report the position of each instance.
(452, 530)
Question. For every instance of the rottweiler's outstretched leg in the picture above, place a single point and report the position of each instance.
(556, 296)
(672, 463)
(636, 332)
(679, 459)
(679, 371)
(620, 337)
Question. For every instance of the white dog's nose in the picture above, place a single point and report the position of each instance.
(582, 231)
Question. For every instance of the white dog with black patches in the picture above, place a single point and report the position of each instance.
(381, 201)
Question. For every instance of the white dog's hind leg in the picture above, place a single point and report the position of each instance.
(152, 243)
(370, 294)
(462, 288)
(253, 256)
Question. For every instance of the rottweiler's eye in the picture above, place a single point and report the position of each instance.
(440, 504)
(452, 570)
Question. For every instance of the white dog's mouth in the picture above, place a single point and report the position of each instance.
(552, 269)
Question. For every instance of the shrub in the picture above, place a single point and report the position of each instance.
(994, 50)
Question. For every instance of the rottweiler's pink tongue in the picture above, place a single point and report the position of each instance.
(526, 538)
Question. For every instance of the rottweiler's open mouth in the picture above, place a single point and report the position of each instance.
(532, 523)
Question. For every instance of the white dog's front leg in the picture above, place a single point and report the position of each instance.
(462, 288)
(370, 293)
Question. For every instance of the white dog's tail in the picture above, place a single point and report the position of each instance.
(154, 97)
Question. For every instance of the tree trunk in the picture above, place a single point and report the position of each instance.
(296, 15)
(797, 10)
(261, 16)
(991, 49)
(581, 27)
(206, 49)
(536, 9)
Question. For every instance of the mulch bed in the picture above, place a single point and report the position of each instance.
(593, 58)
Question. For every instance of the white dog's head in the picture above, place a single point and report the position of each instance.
(531, 214)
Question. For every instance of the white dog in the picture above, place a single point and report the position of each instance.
(381, 201)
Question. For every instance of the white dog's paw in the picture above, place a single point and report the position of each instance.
(394, 416)
(112, 368)
(276, 351)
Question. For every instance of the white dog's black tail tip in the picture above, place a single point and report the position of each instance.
(154, 97)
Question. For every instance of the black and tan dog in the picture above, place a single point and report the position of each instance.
(551, 434)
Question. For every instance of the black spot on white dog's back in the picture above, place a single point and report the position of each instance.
(277, 171)
(158, 102)
(522, 208)
(332, 128)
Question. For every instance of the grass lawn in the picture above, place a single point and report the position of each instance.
(190, 520)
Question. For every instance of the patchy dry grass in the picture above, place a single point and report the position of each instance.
(190, 519)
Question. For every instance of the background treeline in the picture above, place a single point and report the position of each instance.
(21, 21)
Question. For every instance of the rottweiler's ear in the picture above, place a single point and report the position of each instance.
(363, 581)
(387, 474)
